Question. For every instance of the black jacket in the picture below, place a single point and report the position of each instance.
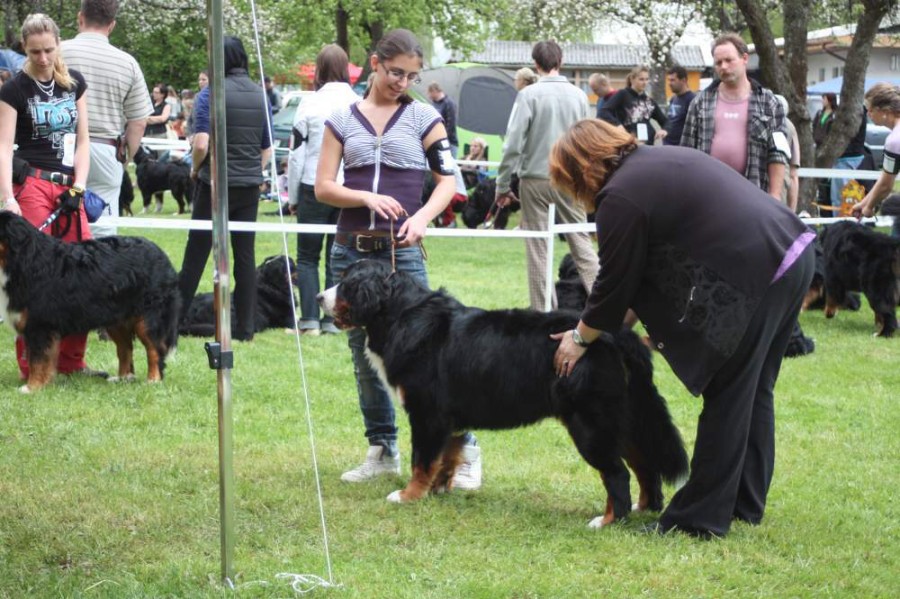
(692, 247)
(245, 122)
(629, 108)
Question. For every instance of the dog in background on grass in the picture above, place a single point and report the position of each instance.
(481, 210)
(452, 369)
(126, 194)
(274, 301)
(154, 177)
(50, 289)
(858, 258)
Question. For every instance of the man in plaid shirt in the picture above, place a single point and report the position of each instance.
(738, 121)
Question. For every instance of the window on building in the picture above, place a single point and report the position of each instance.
(821, 74)
(895, 62)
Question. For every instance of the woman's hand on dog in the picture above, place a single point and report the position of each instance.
(567, 354)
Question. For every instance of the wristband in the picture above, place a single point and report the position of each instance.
(578, 339)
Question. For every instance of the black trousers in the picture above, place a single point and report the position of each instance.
(243, 203)
(734, 454)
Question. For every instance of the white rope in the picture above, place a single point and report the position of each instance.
(284, 228)
(301, 583)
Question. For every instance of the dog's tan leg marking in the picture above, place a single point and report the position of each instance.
(449, 461)
(809, 297)
(831, 307)
(879, 325)
(19, 325)
(153, 373)
(41, 369)
(420, 482)
(123, 336)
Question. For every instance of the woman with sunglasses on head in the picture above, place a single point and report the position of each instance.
(387, 143)
(43, 110)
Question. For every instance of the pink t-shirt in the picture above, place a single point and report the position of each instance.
(729, 143)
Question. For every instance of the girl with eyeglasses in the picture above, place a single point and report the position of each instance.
(387, 143)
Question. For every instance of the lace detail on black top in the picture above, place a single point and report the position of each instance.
(703, 300)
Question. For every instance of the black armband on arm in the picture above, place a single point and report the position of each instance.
(440, 160)
(891, 164)
(297, 139)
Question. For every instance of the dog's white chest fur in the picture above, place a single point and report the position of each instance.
(377, 363)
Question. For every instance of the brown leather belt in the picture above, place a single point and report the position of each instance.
(58, 178)
(103, 140)
(374, 241)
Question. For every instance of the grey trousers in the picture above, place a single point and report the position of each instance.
(536, 196)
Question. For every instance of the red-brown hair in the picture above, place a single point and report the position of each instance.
(583, 159)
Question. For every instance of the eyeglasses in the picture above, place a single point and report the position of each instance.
(399, 75)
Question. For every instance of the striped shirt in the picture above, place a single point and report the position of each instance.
(393, 164)
(118, 92)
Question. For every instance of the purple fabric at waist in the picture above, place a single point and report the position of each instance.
(404, 185)
(793, 253)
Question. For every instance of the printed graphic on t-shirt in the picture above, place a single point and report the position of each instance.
(53, 118)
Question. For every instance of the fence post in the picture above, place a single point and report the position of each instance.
(548, 267)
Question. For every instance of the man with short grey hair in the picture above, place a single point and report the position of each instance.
(118, 101)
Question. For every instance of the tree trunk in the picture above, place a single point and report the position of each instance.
(790, 81)
(846, 117)
(341, 20)
(795, 57)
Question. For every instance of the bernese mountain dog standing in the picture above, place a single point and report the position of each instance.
(858, 258)
(455, 368)
(50, 289)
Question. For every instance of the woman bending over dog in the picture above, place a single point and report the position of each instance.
(716, 271)
(44, 111)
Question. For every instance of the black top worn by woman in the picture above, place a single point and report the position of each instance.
(693, 258)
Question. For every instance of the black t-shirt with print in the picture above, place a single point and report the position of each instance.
(43, 120)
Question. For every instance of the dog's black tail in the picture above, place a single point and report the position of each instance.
(652, 433)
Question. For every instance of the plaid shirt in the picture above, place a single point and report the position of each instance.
(765, 117)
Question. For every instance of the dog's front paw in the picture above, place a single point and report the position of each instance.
(601, 522)
(24, 389)
(396, 496)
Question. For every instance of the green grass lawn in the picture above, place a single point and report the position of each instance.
(112, 490)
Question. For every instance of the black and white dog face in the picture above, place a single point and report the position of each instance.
(364, 292)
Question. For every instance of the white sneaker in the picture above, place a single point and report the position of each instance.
(376, 464)
(468, 475)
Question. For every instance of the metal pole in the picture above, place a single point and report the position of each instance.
(222, 270)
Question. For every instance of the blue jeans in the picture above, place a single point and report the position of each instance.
(374, 401)
(845, 163)
(309, 248)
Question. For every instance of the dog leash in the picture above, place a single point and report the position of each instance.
(393, 249)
